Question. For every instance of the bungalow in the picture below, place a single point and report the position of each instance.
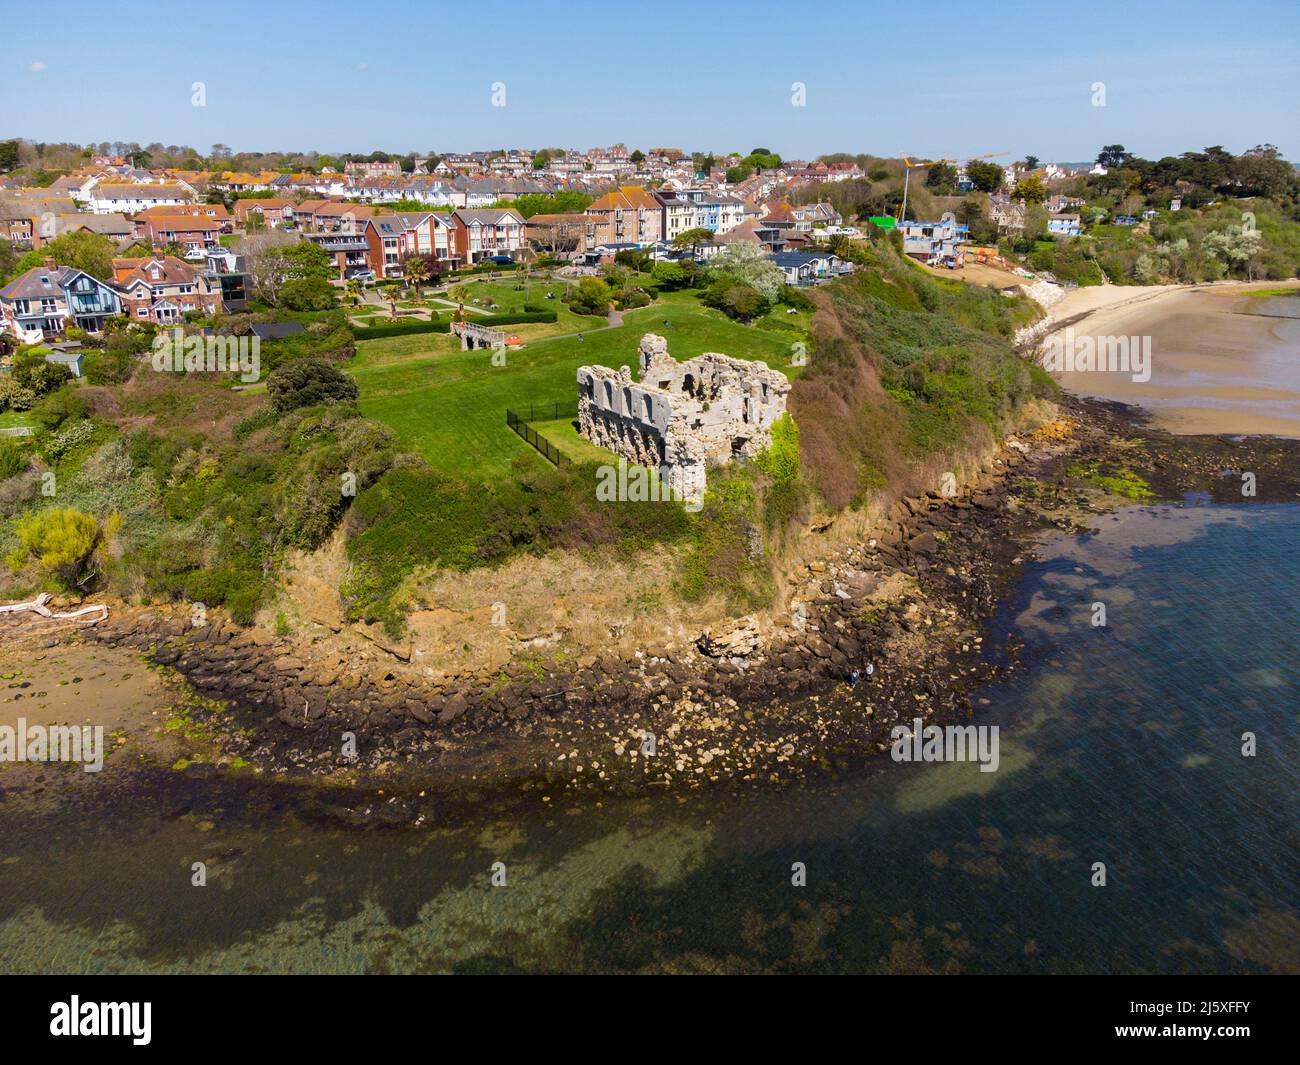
(44, 301)
(117, 228)
(394, 238)
(164, 289)
(804, 268)
(480, 234)
(132, 199)
(240, 182)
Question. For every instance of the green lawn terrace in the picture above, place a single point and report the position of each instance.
(450, 405)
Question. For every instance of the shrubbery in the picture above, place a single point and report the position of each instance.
(307, 382)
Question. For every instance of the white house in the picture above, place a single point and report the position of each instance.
(132, 199)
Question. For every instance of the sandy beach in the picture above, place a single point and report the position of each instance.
(1223, 361)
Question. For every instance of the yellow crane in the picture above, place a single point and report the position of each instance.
(922, 165)
(907, 178)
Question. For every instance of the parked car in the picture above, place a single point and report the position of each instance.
(500, 260)
(363, 275)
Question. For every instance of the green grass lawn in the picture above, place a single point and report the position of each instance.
(16, 419)
(508, 299)
(450, 405)
(565, 436)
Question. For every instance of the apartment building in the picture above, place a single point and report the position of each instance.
(627, 215)
(483, 233)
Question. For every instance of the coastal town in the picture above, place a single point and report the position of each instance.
(175, 233)
(471, 502)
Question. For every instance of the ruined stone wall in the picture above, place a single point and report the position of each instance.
(681, 416)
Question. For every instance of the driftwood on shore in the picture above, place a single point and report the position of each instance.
(37, 606)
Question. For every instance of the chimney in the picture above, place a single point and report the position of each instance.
(50, 264)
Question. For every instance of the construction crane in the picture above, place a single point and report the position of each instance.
(907, 178)
(902, 212)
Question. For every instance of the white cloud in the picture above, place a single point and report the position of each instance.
(37, 67)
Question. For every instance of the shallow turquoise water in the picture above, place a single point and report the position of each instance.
(1120, 745)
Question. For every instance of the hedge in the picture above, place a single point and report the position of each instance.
(516, 319)
(378, 332)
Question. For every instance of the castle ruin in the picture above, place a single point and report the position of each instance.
(681, 417)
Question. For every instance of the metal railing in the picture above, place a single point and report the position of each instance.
(518, 421)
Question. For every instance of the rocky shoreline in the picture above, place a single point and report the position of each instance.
(750, 703)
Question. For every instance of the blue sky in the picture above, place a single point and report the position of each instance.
(933, 79)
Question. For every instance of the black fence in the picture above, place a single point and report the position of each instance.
(542, 412)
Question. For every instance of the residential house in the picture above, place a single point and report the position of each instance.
(373, 169)
(43, 302)
(132, 199)
(241, 182)
(215, 211)
(558, 234)
(678, 213)
(495, 231)
(194, 233)
(805, 268)
(753, 231)
(936, 243)
(227, 275)
(336, 217)
(394, 238)
(817, 215)
(350, 251)
(272, 212)
(1007, 214)
(1067, 225)
(163, 288)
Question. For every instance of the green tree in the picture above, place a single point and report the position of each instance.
(84, 251)
(748, 264)
(416, 270)
(307, 294)
(942, 178)
(589, 296)
(307, 382)
(987, 177)
(669, 276)
(1030, 190)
